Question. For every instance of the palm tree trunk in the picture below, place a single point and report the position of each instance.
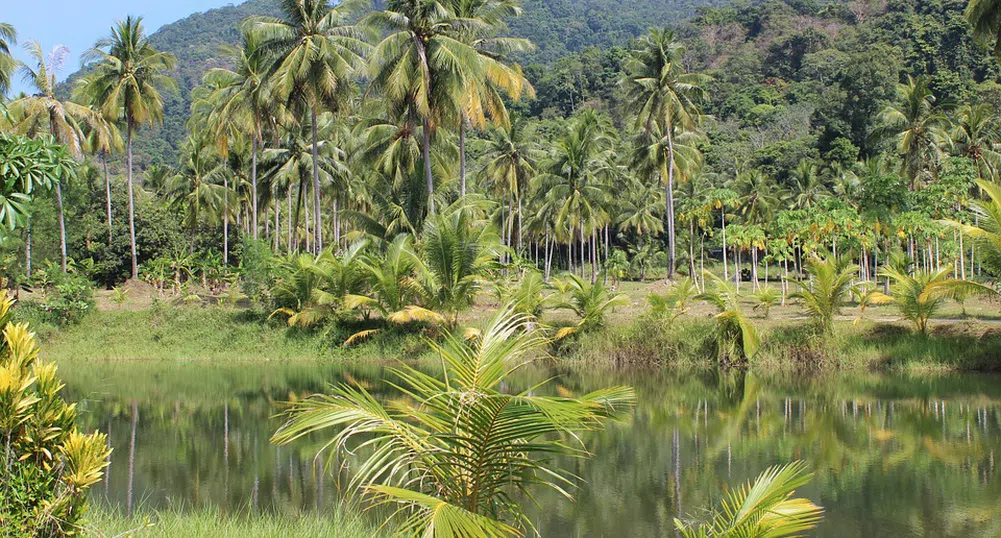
(288, 217)
(426, 153)
(253, 185)
(723, 220)
(62, 225)
(225, 220)
(521, 225)
(317, 216)
(670, 202)
(27, 247)
(132, 203)
(462, 156)
(107, 193)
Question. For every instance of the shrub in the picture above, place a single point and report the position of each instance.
(48, 463)
(67, 298)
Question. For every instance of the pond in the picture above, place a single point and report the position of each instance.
(894, 456)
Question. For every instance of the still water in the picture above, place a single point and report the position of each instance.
(894, 456)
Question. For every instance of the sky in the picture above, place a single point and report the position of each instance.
(78, 24)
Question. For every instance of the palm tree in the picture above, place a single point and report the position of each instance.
(103, 138)
(240, 101)
(571, 183)
(661, 93)
(590, 302)
(828, 289)
(808, 188)
(457, 252)
(510, 156)
(973, 136)
(314, 51)
(481, 21)
(42, 112)
(736, 339)
(125, 85)
(454, 464)
(920, 296)
(765, 507)
(987, 234)
(422, 68)
(295, 160)
(917, 123)
(195, 188)
(985, 18)
(8, 38)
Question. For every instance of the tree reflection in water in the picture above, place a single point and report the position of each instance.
(893, 455)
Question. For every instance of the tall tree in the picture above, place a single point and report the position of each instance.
(918, 125)
(315, 51)
(129, 74)
(240, 101)
(659, 90)
(42, 112)
(483, 99)
(510, 158)
(985, 18)
(8, 38)
(422, 68)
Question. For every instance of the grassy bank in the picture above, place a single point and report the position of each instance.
(793, 345)
(209, 523)
(166, 332)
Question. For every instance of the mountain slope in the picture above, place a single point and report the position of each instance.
(558, 27)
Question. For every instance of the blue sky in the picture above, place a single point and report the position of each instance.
(79, 23)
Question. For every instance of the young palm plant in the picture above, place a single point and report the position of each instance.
(675, 302)
(827, 290)
(920, 296)
(736, 338)
(590, 302)
(457, 452)
(765, 507)
(765, 298)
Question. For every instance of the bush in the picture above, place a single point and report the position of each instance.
(67, 297)
(48, 463)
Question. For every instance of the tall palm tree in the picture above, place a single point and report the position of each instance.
(808, 187)
(196, 188)
(918, 124)
(973, 136)
(125, 85)
(240, 101)
(571, 178)
(660, 91)
(985, 18)
(314, 51)
(422, 68)
(510, 156)
(483, 99)
(8, 38)
(103, 138)
(43, 112)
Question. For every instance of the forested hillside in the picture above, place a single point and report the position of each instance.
(557, 27)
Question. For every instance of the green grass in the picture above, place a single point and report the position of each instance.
(165, 332)
(211, 523)
(794, 345)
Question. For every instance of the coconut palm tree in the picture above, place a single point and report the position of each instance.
(314, 51)
(240, 101)
(422, 68)
(483, 99)
(8, 38)
(103, 138)
(918, 124)
(985, 18)
(591, 302)
(196, 188)
(457, 252)
(808, 187)
(827, 290)
(129, 74)
(987, 234)
(973, 136)
(661, 93)
(920, 296)
(510, 156)
(453, 464)
(736, 339)
(43, 112)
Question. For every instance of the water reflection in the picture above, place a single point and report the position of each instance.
(893, 455)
